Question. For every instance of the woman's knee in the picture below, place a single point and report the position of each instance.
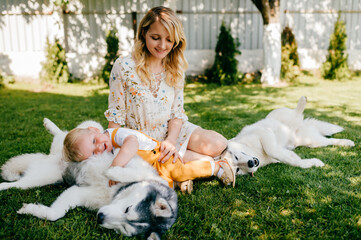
(208, 142)
(219, 144)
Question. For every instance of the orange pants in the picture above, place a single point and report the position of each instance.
(177, 171)
(170, 171)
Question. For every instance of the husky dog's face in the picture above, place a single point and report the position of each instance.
(242, 162)
(140, 208)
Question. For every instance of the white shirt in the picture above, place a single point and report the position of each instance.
(145, 143)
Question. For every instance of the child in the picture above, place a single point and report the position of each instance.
(81, 143)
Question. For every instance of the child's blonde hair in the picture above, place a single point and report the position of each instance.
(175, 63)
(71, 151)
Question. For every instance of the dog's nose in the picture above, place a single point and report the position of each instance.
(100, 218)
(256, 162)
(253, 163)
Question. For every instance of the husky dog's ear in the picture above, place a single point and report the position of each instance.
(153, 236)
(161, 208)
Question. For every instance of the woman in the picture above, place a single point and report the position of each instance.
(146, 92)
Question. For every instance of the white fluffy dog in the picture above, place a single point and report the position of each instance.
(272, 140)
(141, 203)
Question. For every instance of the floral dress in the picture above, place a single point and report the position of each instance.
(136, 106)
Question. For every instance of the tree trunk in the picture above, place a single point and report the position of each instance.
(271, 40)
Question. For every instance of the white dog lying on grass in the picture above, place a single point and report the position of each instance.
(140, 204)
(272, 140)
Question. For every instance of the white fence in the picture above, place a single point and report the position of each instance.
(25, 25)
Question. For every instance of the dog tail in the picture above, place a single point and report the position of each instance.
(15, 167)
(301, 104)
(324, 128)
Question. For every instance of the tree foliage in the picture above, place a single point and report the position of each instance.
(55, 67)
(290, 67)
(1, 80)
(224, 70)
(112, 54)
(61, 3)
(336, 66)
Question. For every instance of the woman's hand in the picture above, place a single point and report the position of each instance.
(168, 149)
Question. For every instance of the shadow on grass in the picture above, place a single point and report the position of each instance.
(228, 109)
(289, 199)
(280, 202)
(22, 114)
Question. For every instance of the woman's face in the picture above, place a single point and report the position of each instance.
(158, 41)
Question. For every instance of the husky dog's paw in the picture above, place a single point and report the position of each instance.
(115, 174)
(127, 174)
(4, 186)
(303, 99)
(41, 211)
(47, 122)
(27, 208)
(50, 126)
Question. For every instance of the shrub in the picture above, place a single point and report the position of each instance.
(112, 54)
(336, 66)
(61, 3)
(55, 68)
(2, 85)
(290, 66)
(224, 70)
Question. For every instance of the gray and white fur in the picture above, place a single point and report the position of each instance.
(140, 204)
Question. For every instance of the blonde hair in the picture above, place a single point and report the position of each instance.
(71, 151)
(175, 63)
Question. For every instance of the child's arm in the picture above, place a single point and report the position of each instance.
(126, 153)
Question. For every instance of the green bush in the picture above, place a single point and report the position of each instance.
(224, 70)
(61, 3)
(55, 67)
(290, 65)
(112, 54)
(336, 66)
(2, 85)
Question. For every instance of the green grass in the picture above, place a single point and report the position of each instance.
(279, 202)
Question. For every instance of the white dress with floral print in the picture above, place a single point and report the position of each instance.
(132, 104)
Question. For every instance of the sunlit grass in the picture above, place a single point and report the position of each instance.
(280, 202)
(70, 89)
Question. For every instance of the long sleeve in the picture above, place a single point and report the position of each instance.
(116, 101)
(177, 110)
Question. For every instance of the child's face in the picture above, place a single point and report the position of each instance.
(94, 142)
(158, 40)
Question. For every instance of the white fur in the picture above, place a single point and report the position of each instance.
(38, 169)
(92, 190)
(272, 140)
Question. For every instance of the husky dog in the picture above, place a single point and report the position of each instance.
(141, 203)
(272, 140)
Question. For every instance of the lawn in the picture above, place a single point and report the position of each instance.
(279, 202)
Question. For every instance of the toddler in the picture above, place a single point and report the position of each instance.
(81, 143)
